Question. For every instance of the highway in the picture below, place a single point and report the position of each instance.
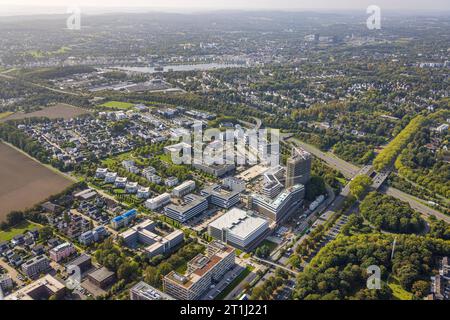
(347, 169)
(350, 171)
(415, 203)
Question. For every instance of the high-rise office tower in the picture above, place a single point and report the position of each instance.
(298, 169)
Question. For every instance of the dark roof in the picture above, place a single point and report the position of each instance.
(101, 274)
(80, 260)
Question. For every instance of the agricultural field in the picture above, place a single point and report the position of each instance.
(25, 182)
(60, 110)
(117, 105)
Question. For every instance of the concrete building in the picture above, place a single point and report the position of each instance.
(145, 233)
(100, 173)
(234, 184)
(217, 170)
(298, 169)
(35, 266)
(41, 289)
(158, 202)
(189, 207)
(144, 291)
(124, 219)
(101, 278)
(280, 207)
(143, 192)
(83, 262)
(184, 189)
(221, 196)
(171, 182)
(239, 229)
(202, 272)
(120, 182)
(131, 187)
(62, 251)
(6, 282)
(94, 235)
(110, 177)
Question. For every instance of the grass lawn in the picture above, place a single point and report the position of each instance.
(5, 114)
(235, 282)
(398, 292)
(21, 228)
(118, 105)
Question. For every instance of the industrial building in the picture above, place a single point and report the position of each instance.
(239, 229)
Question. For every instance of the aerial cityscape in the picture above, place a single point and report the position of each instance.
(228, 153)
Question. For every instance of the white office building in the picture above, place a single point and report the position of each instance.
(184, 188)
(158, 202)
(239, 229)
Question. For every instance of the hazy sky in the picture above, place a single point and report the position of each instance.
(242, 4)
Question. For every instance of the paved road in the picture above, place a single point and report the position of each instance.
(241, 286)
(348, 170)
(11, 271)
(415, 203)
(275, 265)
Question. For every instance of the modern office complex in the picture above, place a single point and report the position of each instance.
(145, 233)
(144, 291)
(298, 169)
(280, 207)
(189, 207)
(202, 272)
(239, 229)
(221, 196)
(217, 170)
(184, 189)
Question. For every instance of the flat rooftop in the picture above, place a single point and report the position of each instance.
(239, 223)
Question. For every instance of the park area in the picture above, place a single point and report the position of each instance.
(58, 111)
(25, 182)
(117, 105)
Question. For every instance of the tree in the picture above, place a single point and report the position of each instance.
(314, 188)
(359, 185)
(46, 233)
(421, 288)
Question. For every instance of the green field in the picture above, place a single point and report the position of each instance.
(21, 228)
(5, 114)
(398, 292)
(117, 105)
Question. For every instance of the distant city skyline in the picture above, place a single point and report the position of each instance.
(411, 5)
